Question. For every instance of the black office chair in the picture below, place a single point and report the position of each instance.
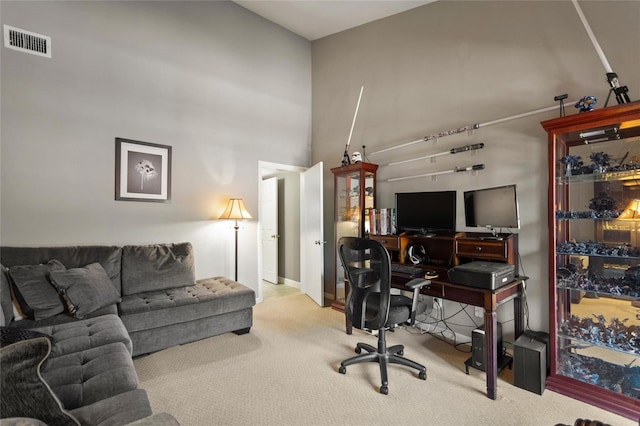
(371, 306)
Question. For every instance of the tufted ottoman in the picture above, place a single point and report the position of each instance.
(179, 315)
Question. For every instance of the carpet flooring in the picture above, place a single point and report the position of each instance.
(285, 372)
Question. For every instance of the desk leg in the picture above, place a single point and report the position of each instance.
(491, 355)
(518, 313)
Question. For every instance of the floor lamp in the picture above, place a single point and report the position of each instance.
(236, 210)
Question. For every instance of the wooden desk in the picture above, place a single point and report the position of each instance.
(489, 300)
(447, 250)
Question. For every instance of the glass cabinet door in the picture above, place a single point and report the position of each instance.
(354, 187)
(595, 257)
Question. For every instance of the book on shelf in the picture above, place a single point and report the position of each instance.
(382, 221)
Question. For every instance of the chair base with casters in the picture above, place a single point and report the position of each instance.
(383, 356)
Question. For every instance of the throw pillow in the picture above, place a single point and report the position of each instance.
(157, 267)
(10, 335)
(85, 289)
(23, 391)
(36, 297)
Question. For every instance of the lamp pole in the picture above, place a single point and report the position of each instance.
(236, 227)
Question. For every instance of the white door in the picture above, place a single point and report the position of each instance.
(269, 229)
(311, 234)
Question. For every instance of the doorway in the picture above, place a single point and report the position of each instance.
(285, 238)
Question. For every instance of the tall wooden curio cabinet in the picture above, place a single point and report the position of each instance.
(594, 257)
(354, 195)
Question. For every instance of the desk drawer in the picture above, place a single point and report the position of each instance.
(434, 289)
(391, 242)
(482, 249)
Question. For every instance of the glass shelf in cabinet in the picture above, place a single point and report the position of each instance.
(618, 296)
(613, 334)
(618, 287)
(574, 253)
(632, 350)
(590, 215)
(599, 177)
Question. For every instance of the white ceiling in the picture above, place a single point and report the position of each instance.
(314, 19)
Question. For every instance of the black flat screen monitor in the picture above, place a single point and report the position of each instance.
(426, 212)
(492, 208)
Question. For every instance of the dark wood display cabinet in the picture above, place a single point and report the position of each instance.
(594, 257)
(355, 193)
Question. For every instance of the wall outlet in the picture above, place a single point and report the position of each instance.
(478, 311)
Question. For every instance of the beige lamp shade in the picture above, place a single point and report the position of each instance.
(632, 211)
(235, 210)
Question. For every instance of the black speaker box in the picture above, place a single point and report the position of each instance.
(543, 337)
(477, 347)
(530, 364)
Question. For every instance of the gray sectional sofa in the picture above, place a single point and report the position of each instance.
(89, 309)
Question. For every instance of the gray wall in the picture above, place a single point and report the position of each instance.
(454, 63)
(221, 85)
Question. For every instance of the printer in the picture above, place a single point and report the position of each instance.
(480, 274)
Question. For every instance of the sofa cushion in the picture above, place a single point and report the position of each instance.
(85, 334)
(85, 289)
(88, 376)
(157, 267)
(208, 297)
(23, 391)
(70, 256)
(32, 289)
(63, 318)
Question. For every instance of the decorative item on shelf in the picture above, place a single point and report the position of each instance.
(236, 210)
(597, 249)
(624, 379)
(345, 157)
(616, 334)
(585, 281)
(601, 161)
(368, 191)
(602, 202)
(586, 104)
(620, 91)
(573, 164)
(356, 157)
(592, 214)
(632, 211)
(561, 98)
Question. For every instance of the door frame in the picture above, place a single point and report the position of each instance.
(266, 168)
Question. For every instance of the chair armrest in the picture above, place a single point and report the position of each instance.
(417, 283)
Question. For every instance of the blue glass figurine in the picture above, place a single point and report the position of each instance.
(587, 103)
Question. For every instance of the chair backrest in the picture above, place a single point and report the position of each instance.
(368, 268)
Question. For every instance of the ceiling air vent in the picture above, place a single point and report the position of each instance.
(27, 41)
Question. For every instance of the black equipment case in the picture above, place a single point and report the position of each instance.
(487, 275)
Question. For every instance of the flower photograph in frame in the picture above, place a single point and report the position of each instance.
(143, 171)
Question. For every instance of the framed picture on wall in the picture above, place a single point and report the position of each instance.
(143, 171)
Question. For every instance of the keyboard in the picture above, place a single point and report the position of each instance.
(412, 271)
